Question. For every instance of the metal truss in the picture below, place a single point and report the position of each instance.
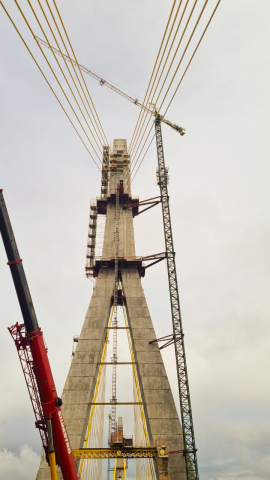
(18, 333)
(149, 201)
(102, 82)
(124, 262)
(169, 339)
(157, 257)
(134, 452)
(181, 364)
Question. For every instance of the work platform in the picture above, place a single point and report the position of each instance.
(125, 200)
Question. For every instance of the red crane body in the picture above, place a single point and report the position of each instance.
(33, 340)
(51, 407)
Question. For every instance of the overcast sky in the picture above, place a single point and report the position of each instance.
(219, 190)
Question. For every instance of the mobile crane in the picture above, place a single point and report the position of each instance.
(33, 356)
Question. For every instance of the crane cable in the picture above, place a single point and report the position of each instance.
(189, 40)
(47, 81)
(194, 52)
(169, 36)
(164, 35)
(62, 23)
(36, 17)
(46, 18)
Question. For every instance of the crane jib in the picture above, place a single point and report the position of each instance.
(102, 82)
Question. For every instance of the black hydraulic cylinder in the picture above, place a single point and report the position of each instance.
(17, 270)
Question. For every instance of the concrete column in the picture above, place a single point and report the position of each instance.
(81, 380)
(161, 416)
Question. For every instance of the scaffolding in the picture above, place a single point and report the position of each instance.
(95, 238)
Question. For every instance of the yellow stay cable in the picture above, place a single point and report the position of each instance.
(62, 23)
(75, 71)
(48, 83)
(189, 40)
(136, 380)
(95, 438)
(52, 70)
(195, 50)
(164, 50)
(151, 141)
(125, 476)
(138, 392)
(114, 473)
(209, 21)
(168, 22)
(59, 48)
(177, 48)
(179, 63)
(96, 390)
(177, 30)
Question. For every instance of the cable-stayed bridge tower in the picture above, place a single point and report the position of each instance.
(157, 442)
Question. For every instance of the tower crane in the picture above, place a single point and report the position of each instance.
(104, 82)
(190, 450)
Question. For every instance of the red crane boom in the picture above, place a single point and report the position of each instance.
(34, 359)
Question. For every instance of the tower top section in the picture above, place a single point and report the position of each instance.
(119, 167)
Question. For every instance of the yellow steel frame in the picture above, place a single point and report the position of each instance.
(114, 473)
(100, 453)
(125, 476)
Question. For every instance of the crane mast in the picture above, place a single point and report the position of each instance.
(178, 335)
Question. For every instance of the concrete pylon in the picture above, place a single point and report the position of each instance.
(161, 417)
